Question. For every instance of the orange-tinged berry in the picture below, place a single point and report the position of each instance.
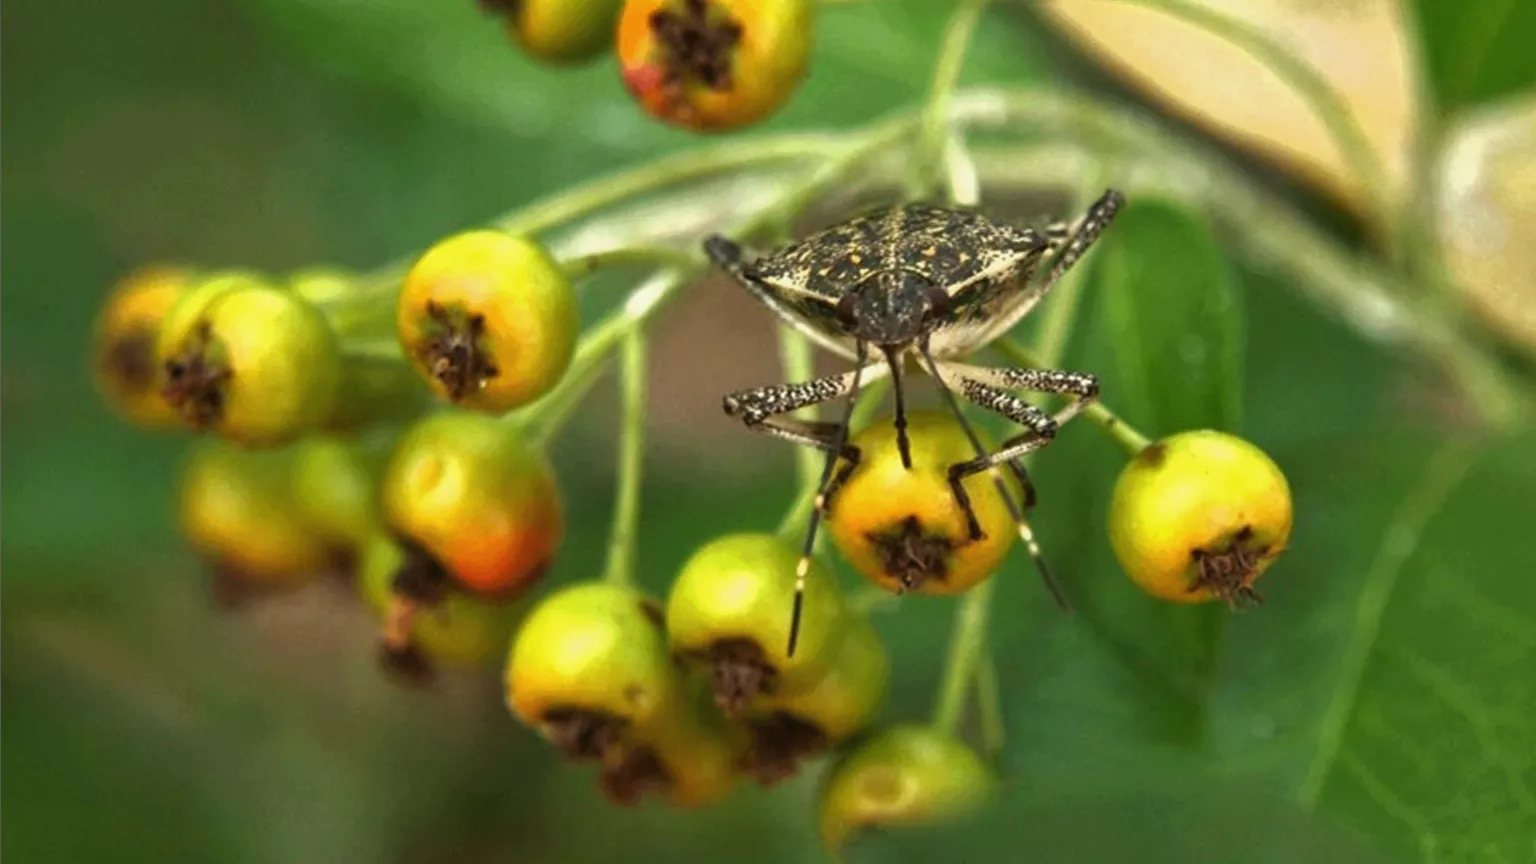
(476, 497)
(421, 628)
(903, 528)
(127, 327)
(1199, 516)
(489, 319)
(714, 65)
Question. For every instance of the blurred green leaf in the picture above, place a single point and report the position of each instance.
(1477, 50)
(1170, 320)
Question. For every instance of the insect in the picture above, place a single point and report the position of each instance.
(928, 283)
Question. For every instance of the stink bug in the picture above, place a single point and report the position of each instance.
(930, 283)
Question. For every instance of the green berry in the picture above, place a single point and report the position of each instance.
(730, 609)
(590, 664)
(903, 775)
(786, 728)
(256, 364)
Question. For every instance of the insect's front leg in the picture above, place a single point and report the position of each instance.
(760, 410)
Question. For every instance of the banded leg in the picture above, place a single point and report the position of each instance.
(957, 488)
(1093, 223)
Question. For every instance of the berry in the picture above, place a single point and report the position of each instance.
(902, 775)
(588, 666)
(424, 623)
(730, 609)
(489, 319)
(477, 498)
(238, 508)
(714, 65)
(687, 753)
(127, 327)
(253, 363)
(902, 528)
(562, 32)
(1198, 516)
(786, 728)
(336, 482)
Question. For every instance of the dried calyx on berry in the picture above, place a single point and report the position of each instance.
(786, 728)
(251, 362)
(425, 620)
(488, 319)
(904, 528)
(1199, 516)
(713, 65)
(478, 499)
(904, 775)
(126, 330)
(561, 32)
(730, 612)
(588, 666)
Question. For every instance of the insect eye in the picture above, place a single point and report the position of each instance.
(847, 314)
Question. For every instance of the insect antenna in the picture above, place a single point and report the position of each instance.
(1025, 533)
(804, 566)
(893, 360)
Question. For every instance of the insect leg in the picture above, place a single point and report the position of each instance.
(946, 382)
(759, 408)
(1093, 223)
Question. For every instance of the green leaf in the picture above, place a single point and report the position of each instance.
(1477, 50)
(1169, 312)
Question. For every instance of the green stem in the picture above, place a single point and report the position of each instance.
(798, 358)
(1329, 106)
(594, 195)
(989, 705)
(1123, 433)
(933, 134)
(546, 417)
(627, 256)
(626, 510)
(967, 643)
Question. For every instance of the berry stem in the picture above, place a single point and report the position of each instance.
(545, 418)
(967, 646)
(650, 257)
(626, 508)
(989, 705)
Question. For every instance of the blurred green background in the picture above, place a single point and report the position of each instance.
(142, 725)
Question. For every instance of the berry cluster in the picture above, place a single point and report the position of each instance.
(394, 428)
(704, 65)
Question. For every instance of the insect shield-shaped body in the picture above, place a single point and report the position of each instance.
(925, 283)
